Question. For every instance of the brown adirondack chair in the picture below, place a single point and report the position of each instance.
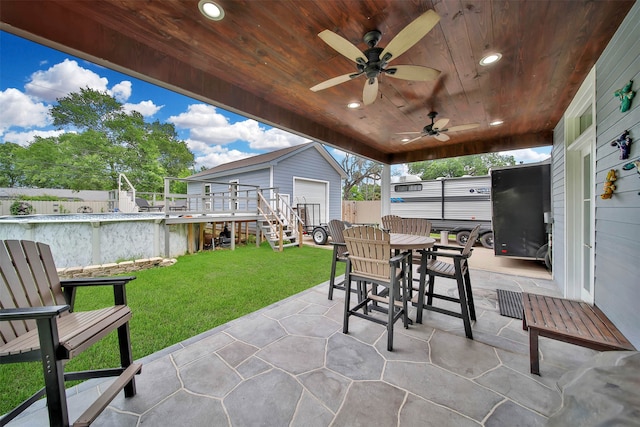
(392, 223)
(37, 322)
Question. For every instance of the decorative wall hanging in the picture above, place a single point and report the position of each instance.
(633, 164)
(625, 95)
(608, 185)
(624, 144)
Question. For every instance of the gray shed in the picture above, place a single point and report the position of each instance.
(305, 174)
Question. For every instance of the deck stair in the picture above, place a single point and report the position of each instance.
(279, 223)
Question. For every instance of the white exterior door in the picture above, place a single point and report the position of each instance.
(315, 194)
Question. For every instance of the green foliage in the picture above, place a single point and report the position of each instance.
(21, 208)
(170, 304)
(102, 141)
(476, 165)
(10, 173)
(43, 198)
(360, 174)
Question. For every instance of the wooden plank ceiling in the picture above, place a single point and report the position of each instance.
(263, 57)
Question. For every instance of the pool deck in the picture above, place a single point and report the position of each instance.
(289, 364)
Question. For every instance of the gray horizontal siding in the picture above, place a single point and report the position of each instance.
(558, 200)
(310, 164)
(618, 219)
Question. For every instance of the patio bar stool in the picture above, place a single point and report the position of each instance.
(336, 227)
(370, 262)
(458, 270)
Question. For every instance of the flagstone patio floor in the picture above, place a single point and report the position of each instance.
(289, 364)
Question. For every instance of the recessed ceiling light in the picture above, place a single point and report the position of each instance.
(490, 58)
(405, 139)
(211, 10)
(353, 105)
(496, 123)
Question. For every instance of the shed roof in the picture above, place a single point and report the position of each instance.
(266, 160)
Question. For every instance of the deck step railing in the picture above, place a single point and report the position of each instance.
(279, 224)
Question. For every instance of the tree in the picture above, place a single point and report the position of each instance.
(359, 172)
(475, 165)
(105, 141)
(10, 173)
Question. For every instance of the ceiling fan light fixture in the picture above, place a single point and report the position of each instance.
(496, 123)
(490, 59)
(211, 10)
(353, 105)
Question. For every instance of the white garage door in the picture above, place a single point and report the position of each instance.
(314, 195)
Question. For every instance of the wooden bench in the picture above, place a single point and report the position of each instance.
(574, 322)
(38, 322)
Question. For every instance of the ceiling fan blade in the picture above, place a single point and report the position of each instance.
(342, 45)
(333, 82)
(414, 139)
(370, 91)
(463, 127)
(410, 35)
(442, 137)
(440, 124)
(413, 72)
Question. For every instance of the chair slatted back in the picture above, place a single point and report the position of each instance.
(369, 251)
(392, 223)
(28, 279)
(416, 226)
(336, 229)
(473, 236)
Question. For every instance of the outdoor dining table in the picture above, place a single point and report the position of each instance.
(409, 242)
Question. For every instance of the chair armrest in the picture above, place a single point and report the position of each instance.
(448, 248)
(398, 258)
(436, 254)
(96, 281)
(69, 287)
(338, 244)
(27, 313)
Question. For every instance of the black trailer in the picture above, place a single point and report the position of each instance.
(310, 215)
(521, 206)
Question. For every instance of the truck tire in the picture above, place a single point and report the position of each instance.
(319, 236)
(462, 237)
(487, 240)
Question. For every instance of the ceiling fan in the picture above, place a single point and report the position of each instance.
(374, 61)
(437, 128)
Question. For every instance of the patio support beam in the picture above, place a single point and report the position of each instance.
(385, 190)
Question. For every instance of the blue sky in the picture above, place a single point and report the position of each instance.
(32, 76)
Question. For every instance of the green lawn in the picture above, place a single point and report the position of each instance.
(171, 304)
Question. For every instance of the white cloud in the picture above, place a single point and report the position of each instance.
(121, 91)
(207, 126)
(214, 155)
(528, 155)
(67, 77)
(62, 79)
(19, 110)
(26, 138)
(274, 138)
(146, 108)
